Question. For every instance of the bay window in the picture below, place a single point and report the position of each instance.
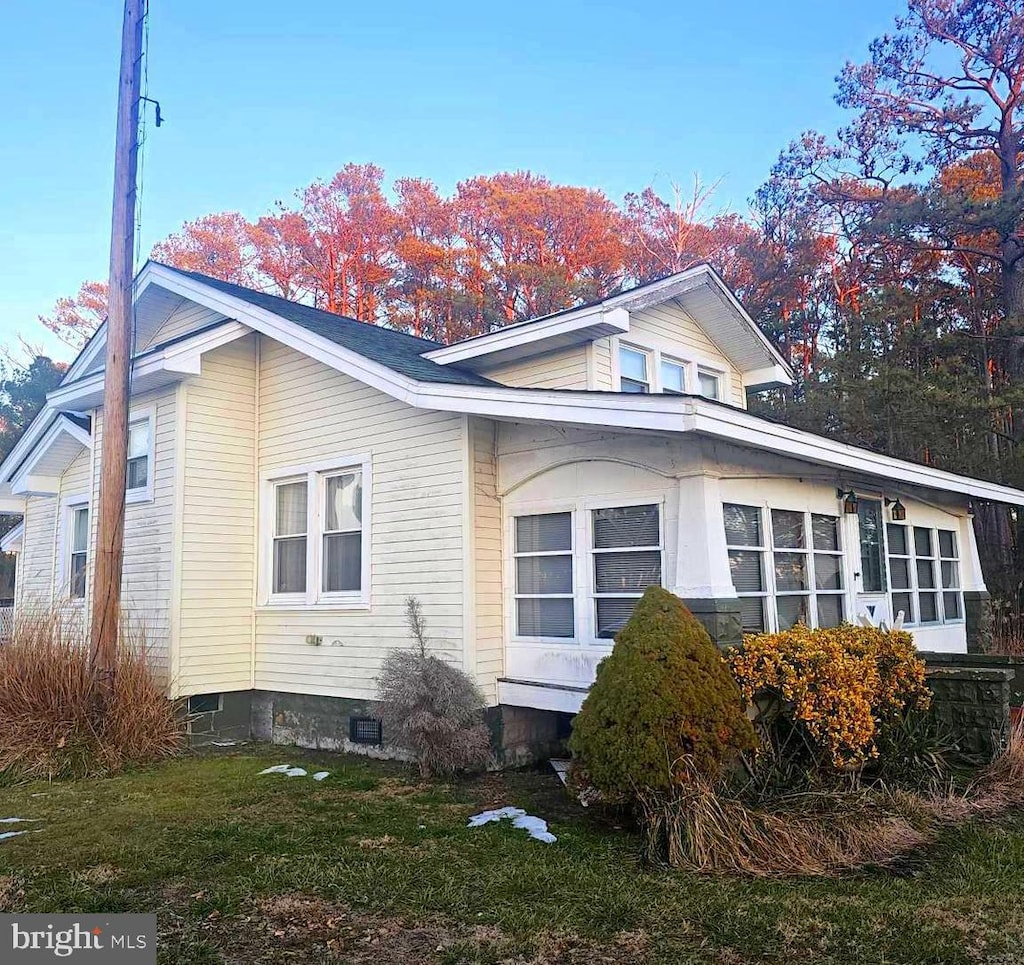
(317, 539)
(579, 572)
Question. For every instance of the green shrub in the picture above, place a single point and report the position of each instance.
(664, 706)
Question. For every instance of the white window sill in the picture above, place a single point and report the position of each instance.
(327, 605)
(138, 496)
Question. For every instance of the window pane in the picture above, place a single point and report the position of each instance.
(80, 534)
(138, 473)
(899, 570)
(923, 541)
(633, 364)
(626, 572)
(951, 605)
(792, 610)
(673, 378)
(752, 614)
(78, 566)
(612, 615)
(628, 385)
(545, 618)
(788, 529)
(897, 540)
(342, 562)
(950, 574)
(947, 543)
(828, 572)
(138, 439)
(929, 607)
(747, 574)
(629, 526)
(742, 525)
(544, 574)
(901, 601)
(544, 534)
(290, 565)
(830, 610)
(925, 574)
(344, 501)
(825, 532)
(291, 509)
(869, 515)
(708, 384)
(791, 571)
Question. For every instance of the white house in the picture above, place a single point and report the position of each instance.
(294, 476)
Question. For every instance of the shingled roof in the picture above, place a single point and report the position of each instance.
(398, 351)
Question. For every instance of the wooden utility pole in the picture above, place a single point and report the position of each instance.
(106, 604)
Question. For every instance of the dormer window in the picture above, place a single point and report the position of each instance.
(709, 383)
(634, 371)
(673, 377)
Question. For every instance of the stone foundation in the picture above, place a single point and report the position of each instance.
(721, 618)
(979, 619)
(973, 705)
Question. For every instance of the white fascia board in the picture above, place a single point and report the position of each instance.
(658, 413)
(24, 481)
(739, 427)
(11, 541)
(15, 505)
(182, 358)
(602, 321)
(770, 377)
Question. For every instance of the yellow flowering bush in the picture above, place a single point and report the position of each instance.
(840, 685)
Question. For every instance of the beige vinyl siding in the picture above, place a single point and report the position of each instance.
(671, 330)
(601, 364)
(148, 529)
(487, 558)
(38, 558)
(217, 568)
(563, 369)
(187, 318)
(75, 489)
(309, 413)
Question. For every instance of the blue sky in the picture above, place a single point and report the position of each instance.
(261, 97)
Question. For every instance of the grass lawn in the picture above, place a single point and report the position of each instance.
(373, 866)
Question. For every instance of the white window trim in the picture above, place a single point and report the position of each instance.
(914, 619)
(550, 509)
(68, 506)
(771, 593)
(584, 605)
(144, 494)
(692, 367)
(314, 597)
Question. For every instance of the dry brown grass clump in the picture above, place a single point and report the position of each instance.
(52, 721)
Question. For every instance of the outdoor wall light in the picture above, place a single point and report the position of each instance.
(849, 498)
(897, 510)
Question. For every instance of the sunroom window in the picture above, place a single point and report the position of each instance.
(924, 571)
(626, 559)
(544, 576)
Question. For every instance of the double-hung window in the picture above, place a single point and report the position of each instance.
(318, 536)
(709, 383)
(78, 551)
(673, 376)
(804, 581)
(924, 574)
(626, 559)
(634, 373)
(544, 576)
(140, 445)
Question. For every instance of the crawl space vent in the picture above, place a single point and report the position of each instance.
(364, 730)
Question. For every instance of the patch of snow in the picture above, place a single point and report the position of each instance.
(276, 769)
(17, 820)
(13, 834)
(536, 827)
(320, 775)
(295, 772)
